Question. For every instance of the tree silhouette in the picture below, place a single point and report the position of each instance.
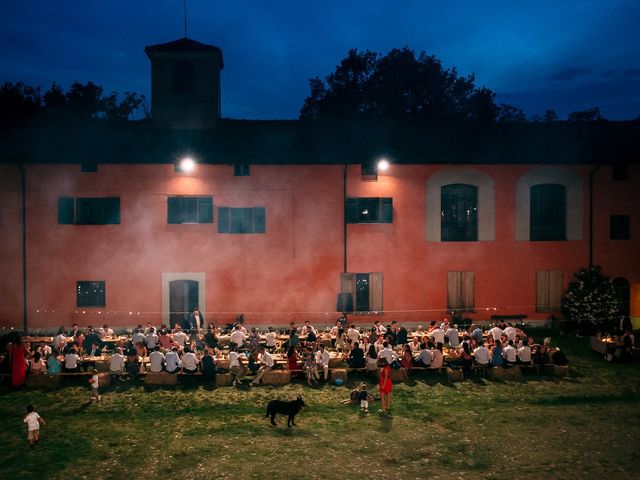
(398, 85)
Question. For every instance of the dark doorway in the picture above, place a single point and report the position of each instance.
(183, 298)
(623, 295)
(362, 292)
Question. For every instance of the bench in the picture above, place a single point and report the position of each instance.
(455, 375)
(162, 378)
(338, 373)
(499, 373)
(277, 377)
(42, 381)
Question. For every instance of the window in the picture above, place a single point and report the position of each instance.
(90, 293)
(365, 289)
(460, 290)
(548, 212)
(189, 210)
(620, 173)
(619, 227)
(369, 171)
(241, 220)
(369, 210)
(183, 78)
(89, 211)
(241, 170)
(459, 215)
(548, 290)
(88, 167)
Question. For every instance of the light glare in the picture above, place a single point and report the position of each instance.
(187, 164)
(383, 165)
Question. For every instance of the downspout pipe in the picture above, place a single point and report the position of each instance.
(344, 221)
(591, 181)
(23, 188)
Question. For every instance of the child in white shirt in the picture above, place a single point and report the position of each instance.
(94, 381)
(33, 421)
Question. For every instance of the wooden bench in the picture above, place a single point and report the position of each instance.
(499, 373)
(224, 379)
(42, 381)
(455, 375)
(162, 378)
(338, 373)
(277, 377)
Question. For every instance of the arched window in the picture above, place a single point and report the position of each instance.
(459, 213)
(547, 212)
(183, 78)
(449, 193)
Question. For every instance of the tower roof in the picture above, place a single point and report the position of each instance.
(183, 45)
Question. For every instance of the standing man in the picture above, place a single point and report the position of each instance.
(196, 319)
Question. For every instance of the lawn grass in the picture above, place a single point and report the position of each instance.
(586, 426)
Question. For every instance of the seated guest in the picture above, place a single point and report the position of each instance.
(353, 333)
(189, 361)
(138, 335)
(497, 359)
(254, 339)
(524, 355)
(541, 357)
(105, 331)
(91, 338)
(267, 365)
(132, 366)
(294, 339)
(424, 357)
(237, 337)
(116, 362)
(60, 341)
(151, 339)
(79, 340)
(387, 353)
(307, 329)
(172, 361)
(236, 367)
(559, 358)
(74, 330)
(415, 345)
(94, 351)
(53, 365)
(482, 355)
(402, 336)
(496, 333)
(254, 361)
(164, 339)
(156, 360)
(356, 357)
(210, 338)
(452, 336)
(208, 364)
(37, 365)
(140, 350)
(477, 335)
(406, 361)
(467, 359)
(509, 354)
(179, 337)
(372, 359)
(437, 335)
(437, 358)
(45, 350)
(510, 332)
(71, 360)
(270, 338)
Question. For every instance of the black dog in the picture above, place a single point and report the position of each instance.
(284, 408)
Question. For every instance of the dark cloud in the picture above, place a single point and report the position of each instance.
(568, 73)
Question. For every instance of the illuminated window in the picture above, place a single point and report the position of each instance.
(369, 210)
(182, 210)
(90, 293)
(365, 290)
(459, 213)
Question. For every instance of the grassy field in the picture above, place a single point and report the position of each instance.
(586, 426)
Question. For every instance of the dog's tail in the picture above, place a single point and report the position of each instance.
(268, 413)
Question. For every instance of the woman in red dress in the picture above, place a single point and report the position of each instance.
(293, 362)
(385, 386)
(18, 363)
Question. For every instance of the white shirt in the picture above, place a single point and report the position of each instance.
(270, 337)
(381, 329)
(496, 332)
(308, 329)
(353, 334)
(32, 421)
(116, 362)
(437, 335)
(151, 340)
(180, 337)
(437, 359)
(415, 346)
(425, 357)
(267, 359)
(482, 355)
(510, 332)
(388, 354)
(524, 354)
(105, 333)
(190, 361)
(233, 359)
(95, 381)
(452, 334)
(322, 358)
(237, 337)
(60, 341)
(156, 359)
(509, 354)
(71, 360)
(172, 361)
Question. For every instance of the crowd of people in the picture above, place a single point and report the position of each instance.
(306, 350)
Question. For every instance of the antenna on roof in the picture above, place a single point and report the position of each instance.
(185, 18)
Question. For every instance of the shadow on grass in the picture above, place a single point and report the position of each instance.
(386, 423)
(630, 397)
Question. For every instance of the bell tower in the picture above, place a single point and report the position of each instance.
(185, 84)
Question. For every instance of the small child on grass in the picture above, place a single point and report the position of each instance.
(95, 383)
(33, 421)
(364, 398)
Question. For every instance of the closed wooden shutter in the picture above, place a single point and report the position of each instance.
(223, 219)
(555, 289)
(387, 210)
(375, 292)
(460, 291)
(468, 289)
(548, 290)
(65, 211)
(348, 283)
(205, 209)
(259, 220)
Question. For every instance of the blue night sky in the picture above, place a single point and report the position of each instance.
(565, 54)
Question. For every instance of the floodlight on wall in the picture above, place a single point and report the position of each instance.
(383, 165)
(186, 165)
